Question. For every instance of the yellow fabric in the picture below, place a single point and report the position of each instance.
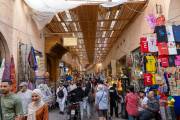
(171, 102)
(151, 64)
(153, 79)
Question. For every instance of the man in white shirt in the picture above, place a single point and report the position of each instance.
(61, 97)
(25, 95)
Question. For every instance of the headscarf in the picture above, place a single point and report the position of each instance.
(38, 92)
(34, 106)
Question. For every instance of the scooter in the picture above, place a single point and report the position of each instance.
(74, 111)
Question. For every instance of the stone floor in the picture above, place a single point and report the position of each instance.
(54, 115)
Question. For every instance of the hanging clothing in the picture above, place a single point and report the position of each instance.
(144, 45)
(164, 61)
(160, 20)
(161, 33)
(32, 59)
(152, 43)
(177, 60)
(150, 64)
(172, 48)
(176, 31)
(163, 48)
(170, 33)
(148, 79)
(171, 61)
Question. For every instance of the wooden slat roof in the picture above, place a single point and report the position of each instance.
(96, 28)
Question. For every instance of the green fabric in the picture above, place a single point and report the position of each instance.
(11, 107)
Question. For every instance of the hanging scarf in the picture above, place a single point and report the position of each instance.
(32, 59)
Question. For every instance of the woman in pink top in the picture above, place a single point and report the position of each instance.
(132, 101)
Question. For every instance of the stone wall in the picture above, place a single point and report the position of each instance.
(16, 25)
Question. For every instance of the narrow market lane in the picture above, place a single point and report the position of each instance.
(54, 115)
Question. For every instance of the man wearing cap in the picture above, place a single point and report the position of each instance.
(25, 95)
(10, 103)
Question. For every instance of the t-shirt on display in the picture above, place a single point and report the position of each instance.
(172, 48)
(161, 33)
(176, 31)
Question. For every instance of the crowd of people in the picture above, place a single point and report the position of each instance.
(24, 105)
(109, 100)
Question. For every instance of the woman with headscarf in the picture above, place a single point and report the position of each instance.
(101, 102)
(37, 110)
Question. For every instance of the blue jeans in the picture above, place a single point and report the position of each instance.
(131, 117)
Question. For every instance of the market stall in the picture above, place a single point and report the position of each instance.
(161, 59)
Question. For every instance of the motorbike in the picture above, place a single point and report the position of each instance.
(74, 111)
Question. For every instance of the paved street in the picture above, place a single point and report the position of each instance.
(54, 115)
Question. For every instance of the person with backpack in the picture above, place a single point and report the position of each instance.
(61, 97)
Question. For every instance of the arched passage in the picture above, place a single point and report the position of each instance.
(4, 49)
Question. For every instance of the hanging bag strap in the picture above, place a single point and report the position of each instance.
(101, 98)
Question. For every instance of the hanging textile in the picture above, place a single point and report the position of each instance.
(32, 59)
(44, 10)
(6, 73)
(2, 69)
(13, 75)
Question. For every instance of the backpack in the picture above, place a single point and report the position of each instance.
(60, 93)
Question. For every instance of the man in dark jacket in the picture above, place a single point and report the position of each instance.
(77, 94)
(113, 100)
(151, 109)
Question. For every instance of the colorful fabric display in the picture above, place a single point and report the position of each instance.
(6, 73)
(171, 61)
(32, 59)
(172, 48)
(144, 45)
(2, 69)
(150, 64)
(177, 60)
(176, 32)
(178, 48)
(161, 33)
(164, 61)
(160, 20)
(151, 38)
(13, 75)
(163, 48)
(170, 33)
(148, 79)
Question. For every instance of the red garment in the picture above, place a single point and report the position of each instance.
(148, 79)
(160, 20)
(132, 101)
(163, 48)
(144, 45)
(164, 60)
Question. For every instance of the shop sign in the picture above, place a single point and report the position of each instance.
(70, 41)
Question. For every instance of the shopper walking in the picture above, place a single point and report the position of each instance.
(132, 102)
(151, 109)
(101, 102)
(37, 109)
(11, 105)
(25, 95)
(61, 97)
(113, 100)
